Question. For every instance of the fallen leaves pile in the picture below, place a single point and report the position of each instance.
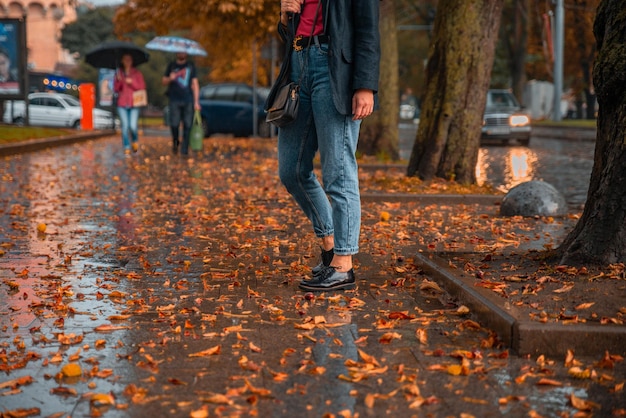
(163, 286)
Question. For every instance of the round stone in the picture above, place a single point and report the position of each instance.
(533, 198)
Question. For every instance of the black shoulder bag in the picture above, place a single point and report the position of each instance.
(284, 108)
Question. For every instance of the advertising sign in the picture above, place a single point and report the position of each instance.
(105, 86)
(12, 58)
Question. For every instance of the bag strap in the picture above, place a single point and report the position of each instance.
(197, 118)
(306, 58)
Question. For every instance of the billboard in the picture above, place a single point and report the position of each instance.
(105, 87)
(12, 58)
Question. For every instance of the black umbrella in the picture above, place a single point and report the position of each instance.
(109, 54)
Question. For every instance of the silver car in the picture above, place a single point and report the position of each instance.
(54, 109)
(504, 119)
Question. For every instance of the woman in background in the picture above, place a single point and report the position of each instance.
(128, 80)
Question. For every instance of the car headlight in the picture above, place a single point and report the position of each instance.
(519, 120)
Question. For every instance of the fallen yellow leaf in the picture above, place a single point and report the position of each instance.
(100, 399)
(71, 370)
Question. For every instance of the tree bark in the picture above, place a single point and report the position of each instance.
(600, 235)
(379, 132)
(457, 76)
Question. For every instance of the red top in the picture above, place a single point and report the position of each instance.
(124, 90)
(306, 19)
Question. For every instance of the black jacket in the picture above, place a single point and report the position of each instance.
(354, 49)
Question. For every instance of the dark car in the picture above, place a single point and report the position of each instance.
(504, 119)
(228, 108)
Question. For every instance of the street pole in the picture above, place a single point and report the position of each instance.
(558, 59)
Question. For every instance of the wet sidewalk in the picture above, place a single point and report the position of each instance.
(165, 286)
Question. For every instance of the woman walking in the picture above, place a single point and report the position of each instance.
(128, 80)
(334, 50)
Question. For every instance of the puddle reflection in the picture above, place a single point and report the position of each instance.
(518, 165)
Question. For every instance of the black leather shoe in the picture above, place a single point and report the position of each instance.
(175, 146)
(327, 257)
(330, 279)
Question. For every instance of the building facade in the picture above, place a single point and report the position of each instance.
(44, 21)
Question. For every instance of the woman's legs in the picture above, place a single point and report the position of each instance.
(124, 114)
(134, 123)
(320, 125)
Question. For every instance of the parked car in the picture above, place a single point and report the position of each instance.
(54, 109)
(228, 108)
(504, 119)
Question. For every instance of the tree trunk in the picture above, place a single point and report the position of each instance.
(379, 132)
(600, 235)
(519, 48)
(457, 78)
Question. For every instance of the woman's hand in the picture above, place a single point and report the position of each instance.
(362, 104)
(289, 6)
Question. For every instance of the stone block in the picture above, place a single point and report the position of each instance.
(533, 198)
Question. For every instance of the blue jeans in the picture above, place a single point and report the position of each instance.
(319, 126)
(181, 112)
(128, 120)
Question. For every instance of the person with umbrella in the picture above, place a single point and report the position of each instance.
(183, 91)
(127, 81)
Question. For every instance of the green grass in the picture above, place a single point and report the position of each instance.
(568, 123)
(9, 133)
(150, 121)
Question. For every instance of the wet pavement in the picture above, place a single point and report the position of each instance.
(172, 284)
(563, 159)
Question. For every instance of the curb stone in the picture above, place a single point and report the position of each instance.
(522, 336)
(455, 199)
(39, 144)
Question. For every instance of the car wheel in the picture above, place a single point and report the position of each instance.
(76, 124)
(264, 130)
(19, 121)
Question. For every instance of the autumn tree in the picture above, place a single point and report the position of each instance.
(379, 132)
(600, 235)
(414, 22)
(580, 49)
(226, 29)
(458, 75)
(90, 28)
(579, 17)
(514, 40)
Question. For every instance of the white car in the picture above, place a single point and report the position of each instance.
(54, 109)
(505, 119)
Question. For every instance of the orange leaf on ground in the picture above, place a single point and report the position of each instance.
(22, 412)
(422, 336)
(581, 404)
(549, 382)
(387, 337)
(208, 352)
(109, 328)
(20, 381)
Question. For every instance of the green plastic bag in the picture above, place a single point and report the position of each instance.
(196, 136)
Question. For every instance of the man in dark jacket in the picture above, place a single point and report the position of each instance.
(183, 91)
(334, 54)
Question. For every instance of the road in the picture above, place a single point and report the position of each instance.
(565, 164)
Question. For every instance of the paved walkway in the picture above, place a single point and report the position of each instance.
(172, 285)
